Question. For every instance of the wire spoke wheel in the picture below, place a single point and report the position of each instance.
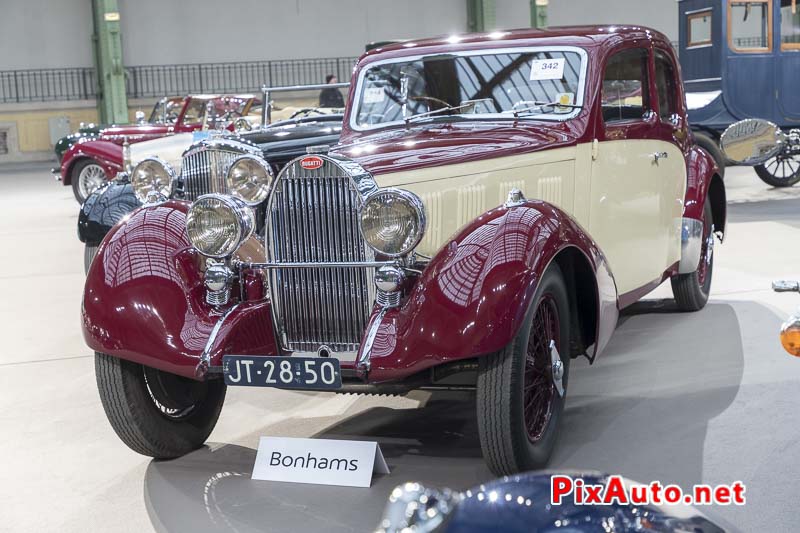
(783, 170)
(539, 390)
(519, 403)
(91, 177)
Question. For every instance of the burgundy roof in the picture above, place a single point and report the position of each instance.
(560, 35)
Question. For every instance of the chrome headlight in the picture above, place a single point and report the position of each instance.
(392, 221)
(152, 179)
(250, 178)
(217, 224)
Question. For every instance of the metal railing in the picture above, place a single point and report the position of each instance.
(250, 76)
(47, 85)
(155, 81)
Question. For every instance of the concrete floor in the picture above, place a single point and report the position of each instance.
(686, 398)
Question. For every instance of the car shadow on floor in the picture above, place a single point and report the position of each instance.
(642, 411)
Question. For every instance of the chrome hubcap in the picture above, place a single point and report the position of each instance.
(557, 368)
(90, 179)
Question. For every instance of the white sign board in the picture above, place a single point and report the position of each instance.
(346, 463)
(547, 69)
(374, 95)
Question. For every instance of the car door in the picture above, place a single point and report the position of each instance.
(626, 212)
(673, 139)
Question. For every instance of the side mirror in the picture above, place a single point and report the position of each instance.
(752, 141)
(139, 117)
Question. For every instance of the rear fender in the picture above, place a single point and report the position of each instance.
(472, 298)
(703, 183)
(106, 153)
(144, 299)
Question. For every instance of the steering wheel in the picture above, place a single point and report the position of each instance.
(306, 112)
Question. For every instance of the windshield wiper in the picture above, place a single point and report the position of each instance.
(534, 105)
(450, 108)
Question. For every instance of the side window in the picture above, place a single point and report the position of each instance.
(750, 25)
(625, 87)
(699, 28)
(790, 25)
(665, 84)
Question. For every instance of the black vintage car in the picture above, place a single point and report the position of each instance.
(206, 168)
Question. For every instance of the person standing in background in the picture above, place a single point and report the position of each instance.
(331, 97)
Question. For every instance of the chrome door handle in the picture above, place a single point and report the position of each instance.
(658, 156)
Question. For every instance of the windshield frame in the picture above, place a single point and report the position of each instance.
(547, 117)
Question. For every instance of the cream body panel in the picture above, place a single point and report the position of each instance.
(635, 208)
(455, 195)
(169, 148)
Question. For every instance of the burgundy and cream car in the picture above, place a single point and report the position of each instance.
(494, 202)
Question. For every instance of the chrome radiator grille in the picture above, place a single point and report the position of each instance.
(205, 164)
(313, 218)
(203, 172)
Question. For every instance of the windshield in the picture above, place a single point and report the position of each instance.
(472, 85)
(220, 110)
(166, 111)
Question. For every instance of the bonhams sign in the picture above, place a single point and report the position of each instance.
(320, 461)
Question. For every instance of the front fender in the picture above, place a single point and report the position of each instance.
(144, 299)
(103, 209)
(473, 296)
(106, 153)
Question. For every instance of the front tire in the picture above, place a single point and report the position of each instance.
(691, 290)
(518, 406)
(156, 413)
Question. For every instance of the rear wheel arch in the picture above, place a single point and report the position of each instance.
(582, 291)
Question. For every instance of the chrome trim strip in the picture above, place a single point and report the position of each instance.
(202, 367)
(467, 53)
(709, 9)
(363, 364)
(354, 264)
(691, 245)
(701, 80)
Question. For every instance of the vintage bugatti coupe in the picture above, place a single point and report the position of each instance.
(493, 203)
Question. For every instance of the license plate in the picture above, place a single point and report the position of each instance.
(315, 373)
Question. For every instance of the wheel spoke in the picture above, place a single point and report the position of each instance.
(538, 388)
